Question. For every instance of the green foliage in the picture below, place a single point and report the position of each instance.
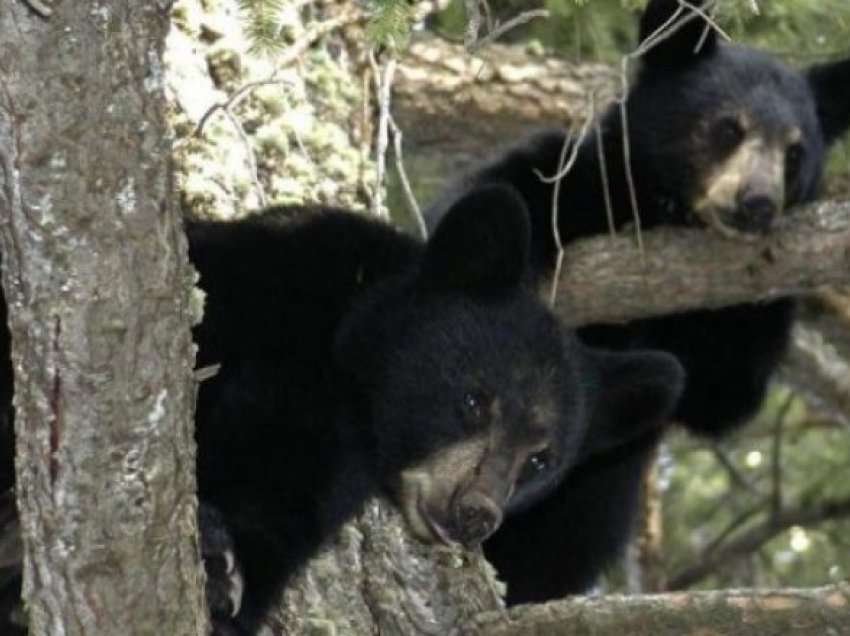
(389, 23)
(708, 500)
(603, 30)
(796, 29)
(261, 19)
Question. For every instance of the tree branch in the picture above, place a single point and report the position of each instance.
(608, 280)
(749, 541)
(806, 612)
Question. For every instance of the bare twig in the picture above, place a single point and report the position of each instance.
(816, 368)
(473, 23)
(250, 159)
(706, 12)
(732, 470)
(412, 205)
(288, 56)
(749, 541)
(603, 174)
(501, 29)
(663, 32)
(231, 102)
(776, 498)
(565, 164)
(736, 524)
(383, 83)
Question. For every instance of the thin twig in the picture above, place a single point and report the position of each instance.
(662, 33)
(365, 129)
(776, 498)
(383, 83)
(565, 164)
(238, 95)
(603, 174)
(753, 538)
(702, 11)
(733, 472)
(250, 159)
(501, 29)
(627, 161)
(736, 524)
(412, 205)
(556, 230)
(473, 23)
(288, 56)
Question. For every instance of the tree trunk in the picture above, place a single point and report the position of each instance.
(67, 268)
(97, 283)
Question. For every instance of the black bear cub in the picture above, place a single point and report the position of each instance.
(720, 135)
(355, 360)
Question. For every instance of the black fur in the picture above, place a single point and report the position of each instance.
(346, 350)
(352, 355)
(675, 115)
(728, 354)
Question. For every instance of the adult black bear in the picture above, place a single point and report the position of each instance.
(356, 360)
(719, 135)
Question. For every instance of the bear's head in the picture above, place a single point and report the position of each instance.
(734, 136)
(478, 400)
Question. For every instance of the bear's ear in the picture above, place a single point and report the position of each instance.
(684, 35)
(632, 393)
(830, 84)
(481, 245)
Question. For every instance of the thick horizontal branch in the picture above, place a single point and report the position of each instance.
(608, 279)
(798, 612)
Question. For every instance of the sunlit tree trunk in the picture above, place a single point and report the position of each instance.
(97, 282)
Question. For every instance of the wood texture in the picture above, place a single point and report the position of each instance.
(97, 282)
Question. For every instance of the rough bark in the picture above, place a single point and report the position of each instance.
(456, 109)
(609, 280)
(375, 579)
(97, 282)
(810, 612)
(448, 102)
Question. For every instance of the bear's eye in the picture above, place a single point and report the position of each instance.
(538, 463)
(471, 406)
(728, 133)
(793, 159)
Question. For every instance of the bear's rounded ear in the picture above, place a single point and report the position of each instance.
(683, 33)
(481, 245)
(630, 394)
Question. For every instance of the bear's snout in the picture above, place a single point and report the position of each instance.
(476, 518)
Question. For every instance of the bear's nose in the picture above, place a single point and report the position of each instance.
(755, 213)
(476, 518)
